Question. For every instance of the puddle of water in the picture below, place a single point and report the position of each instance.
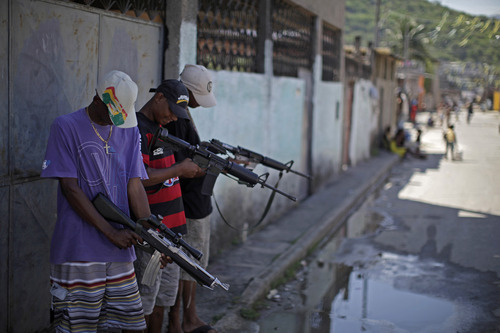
(353, 303)
(364, 289)
(369, 305)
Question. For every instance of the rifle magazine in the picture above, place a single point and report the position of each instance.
(152, 269)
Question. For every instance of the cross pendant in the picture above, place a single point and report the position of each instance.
(106, 148)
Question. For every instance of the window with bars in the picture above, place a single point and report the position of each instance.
(331, 54)
(292, 38)
(153, 8)
(227, 34)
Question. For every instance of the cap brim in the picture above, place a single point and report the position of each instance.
(206, 101)
(179, 111)
(131, 120)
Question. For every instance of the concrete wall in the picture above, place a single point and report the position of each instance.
(51, 56)
(327, 130)
(387, 103)
(327, 10)
(264, 114)
(364, 121)
(4, 169)
(181, 35)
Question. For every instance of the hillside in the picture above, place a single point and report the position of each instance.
(449, 35)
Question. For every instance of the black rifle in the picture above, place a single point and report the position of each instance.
(157, 240)
(247, 155)
(207, 159)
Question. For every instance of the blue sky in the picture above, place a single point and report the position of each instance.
(474, 7)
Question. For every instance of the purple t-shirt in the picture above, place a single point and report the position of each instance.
(75, 151)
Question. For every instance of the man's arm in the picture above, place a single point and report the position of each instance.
(139, 205)
(137, 198)
(184, 129)
(122, 238)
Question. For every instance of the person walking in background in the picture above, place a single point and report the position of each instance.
(418, 143)
(470, 111)
(451, 140)
(448, 114)
(413, 110)
(198, 206)
(167, 105)
(90, 151)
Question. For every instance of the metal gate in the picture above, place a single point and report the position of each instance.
(51, 54)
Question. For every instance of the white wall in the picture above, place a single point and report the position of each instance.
(327, 129)
(263, 114)
(363, 122)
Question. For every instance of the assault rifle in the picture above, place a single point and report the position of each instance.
(158, 241)
(207, 159)
(246, 155)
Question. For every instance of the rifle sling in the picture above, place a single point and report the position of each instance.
(264, 214)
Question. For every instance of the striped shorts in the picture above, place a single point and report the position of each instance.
(91, 296)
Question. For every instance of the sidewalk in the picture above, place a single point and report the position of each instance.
(251, 267)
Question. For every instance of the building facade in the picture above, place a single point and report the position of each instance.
(278, 77)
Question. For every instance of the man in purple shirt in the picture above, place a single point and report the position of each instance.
(90, 151)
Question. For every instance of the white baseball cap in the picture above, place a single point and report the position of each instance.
(198, 80)
(119, 93)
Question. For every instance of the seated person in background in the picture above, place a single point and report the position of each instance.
(386, 138)
(397, 144)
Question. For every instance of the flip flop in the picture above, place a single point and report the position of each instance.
(202, 329)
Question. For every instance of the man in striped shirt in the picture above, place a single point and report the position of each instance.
(164, 193)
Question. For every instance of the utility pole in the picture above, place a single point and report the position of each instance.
(377, 23)
(406, 44)
(374, 65)
(377, 38)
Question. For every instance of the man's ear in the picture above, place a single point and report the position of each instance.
(158, 97)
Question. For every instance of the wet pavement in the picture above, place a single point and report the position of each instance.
(253, 267)
(421, 254)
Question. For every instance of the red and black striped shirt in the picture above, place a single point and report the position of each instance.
(165, 199)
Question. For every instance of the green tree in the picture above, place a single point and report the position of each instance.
(451, 35)
(406, 37)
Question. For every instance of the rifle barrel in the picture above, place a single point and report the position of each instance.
(280, 192)
(300, 174)
(241, 173)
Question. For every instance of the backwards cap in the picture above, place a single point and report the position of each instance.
(198, 80)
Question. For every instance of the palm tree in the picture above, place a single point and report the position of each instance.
(406, 37)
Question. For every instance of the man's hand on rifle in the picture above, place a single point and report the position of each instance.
(189, 169)
(165, 260)
(245, 161)
(124, 238)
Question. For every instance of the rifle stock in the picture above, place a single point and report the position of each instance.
(156, 240)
